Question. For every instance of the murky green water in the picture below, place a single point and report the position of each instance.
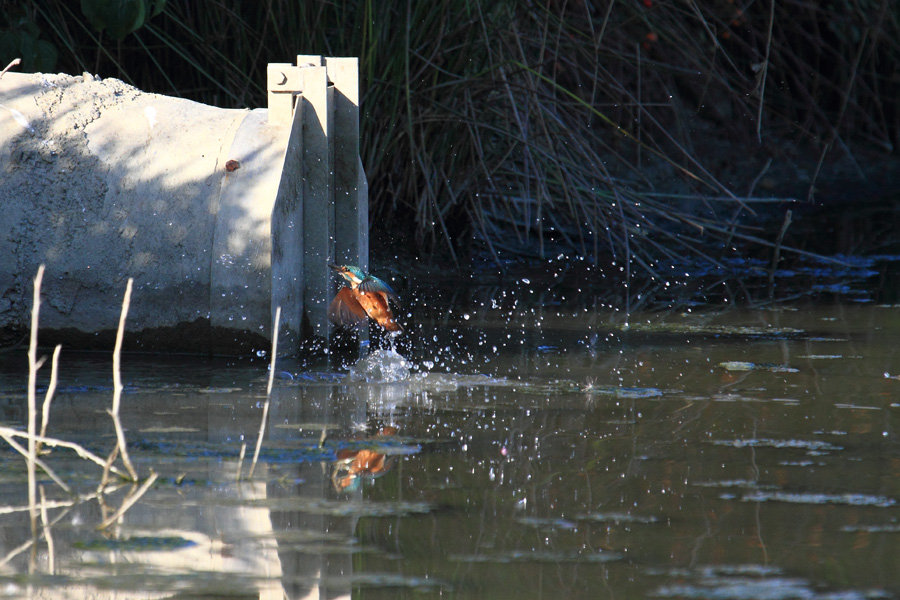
(740, 455)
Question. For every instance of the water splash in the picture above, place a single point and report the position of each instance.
(381, 366)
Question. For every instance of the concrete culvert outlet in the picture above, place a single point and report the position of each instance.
(101, 182)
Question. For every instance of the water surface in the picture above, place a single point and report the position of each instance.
(533, 454)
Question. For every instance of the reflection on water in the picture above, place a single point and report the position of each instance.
(351, 465)
(742, 455)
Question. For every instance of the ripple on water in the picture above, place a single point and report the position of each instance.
(342, 508)
(728, 483)
(561, 523)
(623, 392)
(751, 581)
(813, 498)
(385, 580)
(614, 517)
(135, 544)
(551, 523)
(887, 528)
(739, 365)
(810, 445)
(771, 588)
(587, 556)
(763, 399)
(719, 330)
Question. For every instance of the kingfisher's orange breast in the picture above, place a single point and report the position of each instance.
(376, 306)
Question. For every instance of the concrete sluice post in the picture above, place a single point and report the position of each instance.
(219, 215)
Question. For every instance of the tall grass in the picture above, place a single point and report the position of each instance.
(606, 129)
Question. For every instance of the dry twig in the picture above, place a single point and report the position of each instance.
(13, 63)
(33, 367)
(117, 383)
(129, 501)
(47, 441)
(37, 462)
(48, 397)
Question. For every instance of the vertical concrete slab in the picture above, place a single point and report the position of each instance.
(287, 242)
(362, 192)
(318, 203)
(351, 225)
(323, 188)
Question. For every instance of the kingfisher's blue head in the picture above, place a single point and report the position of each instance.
(352, 274)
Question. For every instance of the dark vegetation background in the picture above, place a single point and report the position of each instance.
(637, 132)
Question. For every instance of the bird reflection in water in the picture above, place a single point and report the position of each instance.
(352, 465)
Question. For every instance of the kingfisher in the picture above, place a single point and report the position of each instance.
(367, 296)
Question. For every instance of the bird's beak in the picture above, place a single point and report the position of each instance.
(335, 267)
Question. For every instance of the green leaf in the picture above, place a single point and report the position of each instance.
(45, 57)
(158, 6)
(117, 17)
(9, 46)
(37, 55)
(27, 47)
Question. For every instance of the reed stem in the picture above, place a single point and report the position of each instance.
(265, 415)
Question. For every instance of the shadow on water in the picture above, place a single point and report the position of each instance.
(525, 454)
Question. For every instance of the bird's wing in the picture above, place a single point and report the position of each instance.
(372, 284)
(345, 310)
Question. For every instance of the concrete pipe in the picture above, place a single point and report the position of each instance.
(101, 182)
